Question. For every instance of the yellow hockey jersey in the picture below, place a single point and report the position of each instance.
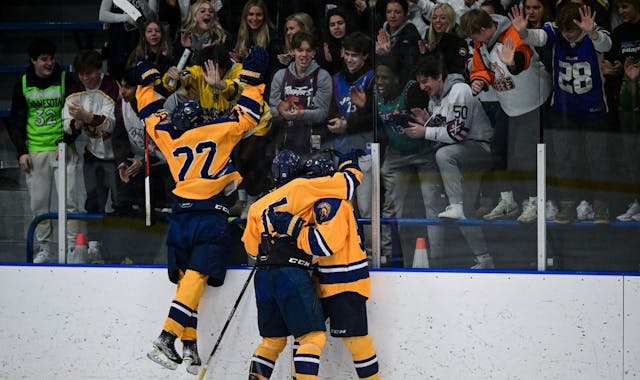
(219, 102)
(192, 77)
(298, 198)
(199, 158)
(332, 237)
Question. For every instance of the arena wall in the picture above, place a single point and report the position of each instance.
(63, 322)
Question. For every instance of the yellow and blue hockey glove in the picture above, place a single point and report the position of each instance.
(349, 159)
(285, 223)
(146, 72)
(254, 67)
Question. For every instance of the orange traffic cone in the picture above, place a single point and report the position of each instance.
(79, 254)
(420, 256)
(81, 239)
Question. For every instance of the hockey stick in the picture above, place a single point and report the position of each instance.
(147, 181)
(226, 324)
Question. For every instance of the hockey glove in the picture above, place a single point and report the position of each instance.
(146, 73)
(285, 223)
(349, 159)
(254, 67)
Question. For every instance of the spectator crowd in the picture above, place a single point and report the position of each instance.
(458, 93)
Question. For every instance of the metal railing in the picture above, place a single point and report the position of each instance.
(52, 215)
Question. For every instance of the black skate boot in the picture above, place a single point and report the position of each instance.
(190, 356)
(164, 351)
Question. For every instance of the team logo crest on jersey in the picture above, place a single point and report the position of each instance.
(324, 210)
(457, 130)
(502, 82)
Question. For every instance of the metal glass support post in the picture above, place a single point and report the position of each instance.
(375, 204)
(541, 181)
(62, 202)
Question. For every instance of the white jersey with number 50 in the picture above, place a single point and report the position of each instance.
(457, 115)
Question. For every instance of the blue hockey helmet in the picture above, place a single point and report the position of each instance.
(318, 166)
(187, 115)
(285, 167)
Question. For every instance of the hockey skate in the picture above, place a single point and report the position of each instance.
(190, 356)
(164, 351)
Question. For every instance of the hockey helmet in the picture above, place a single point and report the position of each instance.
(187, 115)
(318, 166)
(285, 167)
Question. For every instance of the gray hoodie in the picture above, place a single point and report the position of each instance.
(319, 110)
(457, 115)
(297, 135)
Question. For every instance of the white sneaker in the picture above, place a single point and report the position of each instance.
(585, 211)
(484, 262)
(628, 216)
(453, 211)
(506, 209)
(551, 210)
(529, 211)
(93, 252)
(44, 256)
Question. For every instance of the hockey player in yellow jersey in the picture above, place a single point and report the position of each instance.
(340, 271)
(215, 81)
(198, 155)
(297, 197)
(285, 296)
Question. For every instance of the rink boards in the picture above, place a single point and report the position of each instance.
(62, 322)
